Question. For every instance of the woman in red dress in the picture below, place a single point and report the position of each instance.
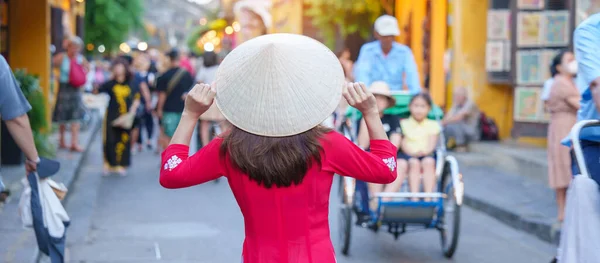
(275, 90)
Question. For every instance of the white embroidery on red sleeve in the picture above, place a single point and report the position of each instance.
(391, 163)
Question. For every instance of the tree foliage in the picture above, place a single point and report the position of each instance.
(108, 22)
(346, 16)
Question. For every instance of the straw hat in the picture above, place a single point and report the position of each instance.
(279, 85)
(383, 89)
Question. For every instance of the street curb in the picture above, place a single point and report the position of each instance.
(94, 128)
(538, 229)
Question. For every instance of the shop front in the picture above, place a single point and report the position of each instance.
(27, 31)
(523, 36)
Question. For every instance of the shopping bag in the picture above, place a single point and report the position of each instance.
(580, 235)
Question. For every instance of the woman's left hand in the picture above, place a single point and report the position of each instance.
(199, 99)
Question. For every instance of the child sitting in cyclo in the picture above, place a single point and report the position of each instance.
(391, 124)
(418, 147)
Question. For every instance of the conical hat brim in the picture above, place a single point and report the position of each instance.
(279, 85)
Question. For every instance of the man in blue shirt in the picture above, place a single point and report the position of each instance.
(586, 40)
(13, 110)
(386, 60)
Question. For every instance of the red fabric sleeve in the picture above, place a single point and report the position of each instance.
(179, 171)
(345, 158)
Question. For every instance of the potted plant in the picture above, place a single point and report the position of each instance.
(30, 86)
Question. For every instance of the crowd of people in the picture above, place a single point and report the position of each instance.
(149, 89)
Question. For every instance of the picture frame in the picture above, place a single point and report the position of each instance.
(527, 104)
(507, 56)
(529, 67)
(498, 24)
(546, 60)
(556, 28)
(530, 29)
(531, 4)
(494, 56)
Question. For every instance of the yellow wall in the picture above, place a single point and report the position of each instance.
(418, 11)
(468, 63)
(287, 16)
(437, 80)
(403, 9)
(29, 39)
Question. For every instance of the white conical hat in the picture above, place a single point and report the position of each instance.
(279, 85)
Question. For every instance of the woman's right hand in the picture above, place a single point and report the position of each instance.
(357, 96)
(199, 99)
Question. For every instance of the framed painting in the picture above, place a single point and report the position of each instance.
(546, 60)
(498, 24)
(531, 4)
(529, 67)
(529, 29)
(527, 104)
(494, 56)
(507, 56)
(556, 32)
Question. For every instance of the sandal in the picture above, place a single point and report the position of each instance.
(76, 148)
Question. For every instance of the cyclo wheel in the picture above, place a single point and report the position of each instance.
(450, 220)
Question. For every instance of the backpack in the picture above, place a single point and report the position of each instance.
(488, 128)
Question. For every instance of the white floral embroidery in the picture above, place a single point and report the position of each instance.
(172, 163)
(391, 163)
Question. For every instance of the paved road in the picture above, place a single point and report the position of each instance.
(132, 219)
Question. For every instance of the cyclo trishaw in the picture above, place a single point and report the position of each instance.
(401, 214)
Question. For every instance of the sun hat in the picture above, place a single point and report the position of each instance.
(383, 89)
(387, 25)
(259, 7)
(279, 85)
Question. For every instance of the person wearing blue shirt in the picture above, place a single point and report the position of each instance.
(386, 60)
(13, 111)
(586, 40)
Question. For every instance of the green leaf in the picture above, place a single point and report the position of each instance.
(345, 16)
(109, 22)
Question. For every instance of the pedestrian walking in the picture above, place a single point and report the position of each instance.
(562, 103)
(120, 114)
(69, 108)
(172, 87)
(143, 119)
(213, 114)
(276, 90)
(13, 110)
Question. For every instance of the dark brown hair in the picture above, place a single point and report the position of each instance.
(424, 96)
(125, 63)
(279, 161)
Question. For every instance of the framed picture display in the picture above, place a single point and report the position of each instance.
(556, 31)
(529, 67)
(494, 56)
(546, 61)
(507, 53)
(530, 29)
(498, 24)
(531, 4)
(527, 104)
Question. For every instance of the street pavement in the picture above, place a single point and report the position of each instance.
(133, 219)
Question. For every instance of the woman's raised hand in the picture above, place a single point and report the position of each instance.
(199, 99)
(359, 97)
